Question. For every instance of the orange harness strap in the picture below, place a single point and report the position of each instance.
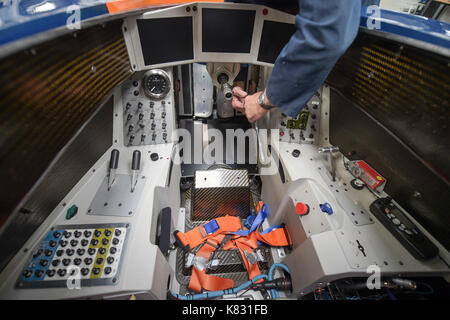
(197, 236)
(199, 278)
(212, 235)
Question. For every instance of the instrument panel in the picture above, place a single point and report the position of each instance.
(89, 253)
(147, 100)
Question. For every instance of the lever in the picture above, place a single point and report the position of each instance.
(135, 165)
(113, 162)
(329, 152)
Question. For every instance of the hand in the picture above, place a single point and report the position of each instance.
(238, 99)
(253, 111)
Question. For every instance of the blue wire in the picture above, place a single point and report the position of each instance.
(274, 292)
(214, 294)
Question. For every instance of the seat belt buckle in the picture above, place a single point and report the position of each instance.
(209, 228)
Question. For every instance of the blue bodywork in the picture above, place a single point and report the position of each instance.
(23, 18)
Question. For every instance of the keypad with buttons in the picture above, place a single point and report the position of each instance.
(89, 252)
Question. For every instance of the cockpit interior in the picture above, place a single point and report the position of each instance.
(127, 174)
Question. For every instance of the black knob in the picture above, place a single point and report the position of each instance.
(59, 253)
(108, 270)
(39, 273)
(55, 263)
(108, 232)
(56, 234)
(61, 272)
(91, 251)
(117, 232)
(110, 260)
(311, 136)
(102, 250)
(97, 233)
(67, 234)
(295, 153)
(87, 233)
(87, 261)
(135, 83)
(141, 116)
(313, 116)
(94, 242)
(27, 273)
(66, 262)
(43, 262)
(38, 253)
(84, 242)
(96, 271)
(63, 243)
(113, 250)
(70, 252)
(77, 234)
(52, 243)
(80, 251)
(84, 271)
(115, 241)
(77, 261)
(99, 261)
(48, 252)
(51, 272)
(74, 243)
(136, 92)
(105, 241)
(154, 156)
(127, 106)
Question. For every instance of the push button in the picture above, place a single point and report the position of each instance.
(302, 209)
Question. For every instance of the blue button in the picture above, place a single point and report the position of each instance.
(326, 208)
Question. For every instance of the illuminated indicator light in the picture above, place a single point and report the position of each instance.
(265, 12)
(379, 178)
(188, 9)
(281, 133)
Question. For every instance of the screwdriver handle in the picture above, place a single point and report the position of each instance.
(114, 160)
(136, 162)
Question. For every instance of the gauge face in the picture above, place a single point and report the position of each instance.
(156, 83)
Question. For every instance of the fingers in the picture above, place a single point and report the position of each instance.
(238, 92)
(238, 104)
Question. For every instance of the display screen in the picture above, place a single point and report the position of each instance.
(166, 39)
(225, 30)
(274, 37)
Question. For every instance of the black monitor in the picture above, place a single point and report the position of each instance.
(166, 40)
(226, 30)
(274, 37)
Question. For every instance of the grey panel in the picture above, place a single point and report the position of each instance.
(410, 181)
(75, 159)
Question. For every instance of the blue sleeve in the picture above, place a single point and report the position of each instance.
(325, 29)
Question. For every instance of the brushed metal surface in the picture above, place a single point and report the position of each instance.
(119, 200)
(203, 91)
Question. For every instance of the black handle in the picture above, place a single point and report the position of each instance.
(136, 163)
(114, 161)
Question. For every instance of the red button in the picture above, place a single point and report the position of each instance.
(302, 209)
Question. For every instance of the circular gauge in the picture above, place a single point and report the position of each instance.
(156, 83)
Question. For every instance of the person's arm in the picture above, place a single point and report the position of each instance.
(325, 29)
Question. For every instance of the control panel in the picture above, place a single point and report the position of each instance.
(90, 253)
(147, 100)
(303, 128)
(403, 229)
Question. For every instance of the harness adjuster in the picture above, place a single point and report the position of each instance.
(209, 228)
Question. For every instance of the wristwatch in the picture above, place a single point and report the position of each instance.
(261, 102)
